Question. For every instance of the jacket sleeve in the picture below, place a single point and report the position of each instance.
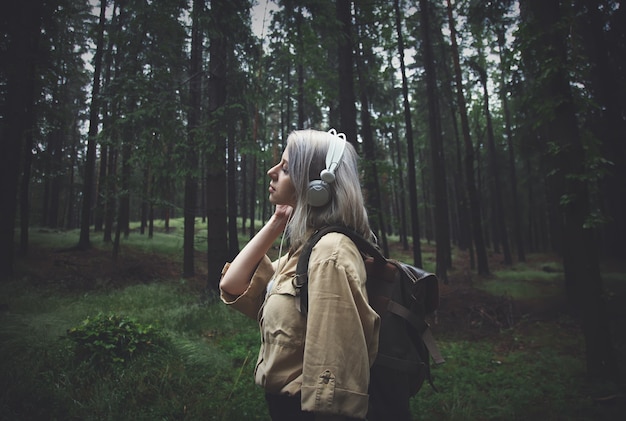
(249, 303)
(341, 337)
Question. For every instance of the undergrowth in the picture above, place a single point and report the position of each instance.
(159, 351)
(203, 366)
(104, 360)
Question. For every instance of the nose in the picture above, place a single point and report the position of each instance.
(272, 172)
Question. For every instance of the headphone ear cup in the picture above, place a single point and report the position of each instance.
(318, 193)
(327, 176)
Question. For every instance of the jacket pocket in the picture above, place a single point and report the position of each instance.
(283, 325)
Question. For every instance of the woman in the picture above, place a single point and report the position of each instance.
(313, 367)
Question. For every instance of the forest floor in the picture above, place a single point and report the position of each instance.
(462, 305)
(465, 312)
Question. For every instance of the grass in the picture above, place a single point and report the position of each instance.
(202, 368)
(524, 379)
(203, 372)
(525, 280)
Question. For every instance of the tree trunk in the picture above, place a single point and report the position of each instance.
(442, 227)
(249, 171)
(569, 184)
(145, 199)
(104, 201)
(417, 250)
(517, 218)
(427, 215)
(55, 154)
(252, 167)
(25, 188)
(98, 218)
(193, 121)
(151, 220)
(479, 242)
(24, 30)
(463, 208)
(94, 111)
(494, 170)
(123, 210)
(404, 238)
(347, 101)
(70, 221)
(233, 243)
(609, 125)
(371, 177)
(217, 240)
(123, 217)
(300, 69)
(111, 194)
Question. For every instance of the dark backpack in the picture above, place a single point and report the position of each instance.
(403, 296)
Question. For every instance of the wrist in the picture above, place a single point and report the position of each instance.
(278, 223)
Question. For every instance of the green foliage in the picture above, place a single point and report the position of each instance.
(206, 371)
(106, 340)
(428, 254)
(595, 219)
(526, 281)
(522, 289)
(509, 378)
(199, 363)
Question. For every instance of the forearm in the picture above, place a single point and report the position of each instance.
(237, 278)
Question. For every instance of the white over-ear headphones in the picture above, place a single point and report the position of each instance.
(318, 193)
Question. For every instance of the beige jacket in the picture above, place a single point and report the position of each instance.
(327, 355)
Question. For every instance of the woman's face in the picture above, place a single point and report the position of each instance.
(282, 190)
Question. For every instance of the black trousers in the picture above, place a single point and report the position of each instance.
(288, 408)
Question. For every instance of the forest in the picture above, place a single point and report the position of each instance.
(485, 128)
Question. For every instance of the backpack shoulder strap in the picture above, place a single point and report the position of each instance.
(301, 280)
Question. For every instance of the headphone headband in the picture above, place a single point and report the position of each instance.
(333, 156)
(319, 190)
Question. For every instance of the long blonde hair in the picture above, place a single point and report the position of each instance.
(307, 158)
